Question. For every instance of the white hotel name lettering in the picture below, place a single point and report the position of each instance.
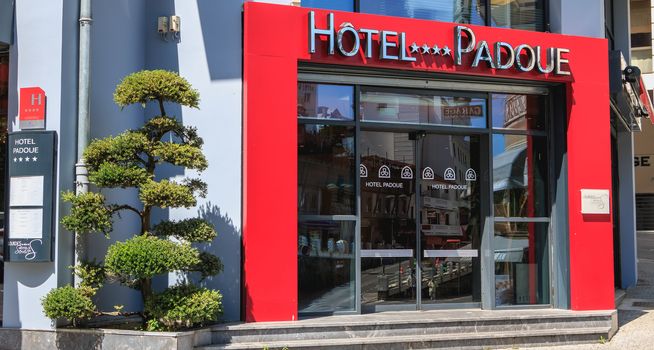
(394, 46)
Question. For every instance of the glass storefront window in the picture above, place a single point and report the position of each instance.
(421, 191)
(519, 112)
(521, 263)
(459, 11)
(394, 107)
(326, 170)
(339, 5)
(326, 269)
(517, 14)
(520, 175)
(325, 101)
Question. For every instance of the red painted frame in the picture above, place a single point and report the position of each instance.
(276, 39)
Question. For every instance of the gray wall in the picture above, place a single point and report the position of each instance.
(39, 33)
(124, 40)
(211, 61)
(212, 64)
(117, 49)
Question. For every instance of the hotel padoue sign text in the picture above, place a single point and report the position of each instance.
(349, 41)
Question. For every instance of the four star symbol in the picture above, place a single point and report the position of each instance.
(26, 159)
(426, 49)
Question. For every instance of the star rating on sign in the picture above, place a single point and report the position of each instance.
(433, 50)
(26, 159)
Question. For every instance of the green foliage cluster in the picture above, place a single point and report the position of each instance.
(129, 160)
(73, 304)
(191, 230)
(155, 85)
(184, 306)
(143, 257)
(88, 213)
(91, 274)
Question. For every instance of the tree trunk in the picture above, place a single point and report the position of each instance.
(146, 290)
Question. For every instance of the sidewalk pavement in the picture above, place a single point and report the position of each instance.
(636, 312)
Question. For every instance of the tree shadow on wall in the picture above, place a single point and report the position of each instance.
(227, 246)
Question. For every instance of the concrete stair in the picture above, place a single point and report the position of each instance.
(451, 329)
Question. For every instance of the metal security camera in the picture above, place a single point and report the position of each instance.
(631, 74)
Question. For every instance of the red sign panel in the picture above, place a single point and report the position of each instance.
(32, 108)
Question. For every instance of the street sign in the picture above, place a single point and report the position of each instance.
(29, 235)
(32, 108)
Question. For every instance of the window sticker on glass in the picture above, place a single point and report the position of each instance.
(384, 172)
(449, 174)
(407, 173)
(427, 173)
(363, 171)
(471, 175)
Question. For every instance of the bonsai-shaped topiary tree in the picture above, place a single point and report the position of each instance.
(130, 160)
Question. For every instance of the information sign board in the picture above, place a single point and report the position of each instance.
(29, 235)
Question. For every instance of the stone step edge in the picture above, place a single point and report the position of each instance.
(600, 331)
(349, 323)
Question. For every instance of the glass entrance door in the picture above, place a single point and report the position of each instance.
(420, 219)
(388, 219)
(450, 215)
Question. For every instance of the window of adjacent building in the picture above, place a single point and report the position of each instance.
(459, 11)
(517, 14)
(641, 35)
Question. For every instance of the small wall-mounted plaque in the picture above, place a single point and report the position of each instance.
(595, 202)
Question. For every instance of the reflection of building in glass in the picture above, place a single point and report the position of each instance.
(521, 14)
(324, 101)
(460, 11)
(424, 109)
(325, 170)
(445, 211)
(306, 99)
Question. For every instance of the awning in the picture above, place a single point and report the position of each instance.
(6, 21)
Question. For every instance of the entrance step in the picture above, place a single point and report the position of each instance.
(464, 329)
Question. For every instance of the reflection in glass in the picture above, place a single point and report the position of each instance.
(459, 11)
(450, 219)
(326, 170)
(519, 112)
(517, 14)
(393, 107)
(388, 218)
(520, 175)
(326, 281)
(325, 101)
(341, 5)
(521, 263)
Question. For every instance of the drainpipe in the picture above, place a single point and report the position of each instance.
(83, 117)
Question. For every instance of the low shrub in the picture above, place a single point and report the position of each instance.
(73, 304)
(183, 306)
